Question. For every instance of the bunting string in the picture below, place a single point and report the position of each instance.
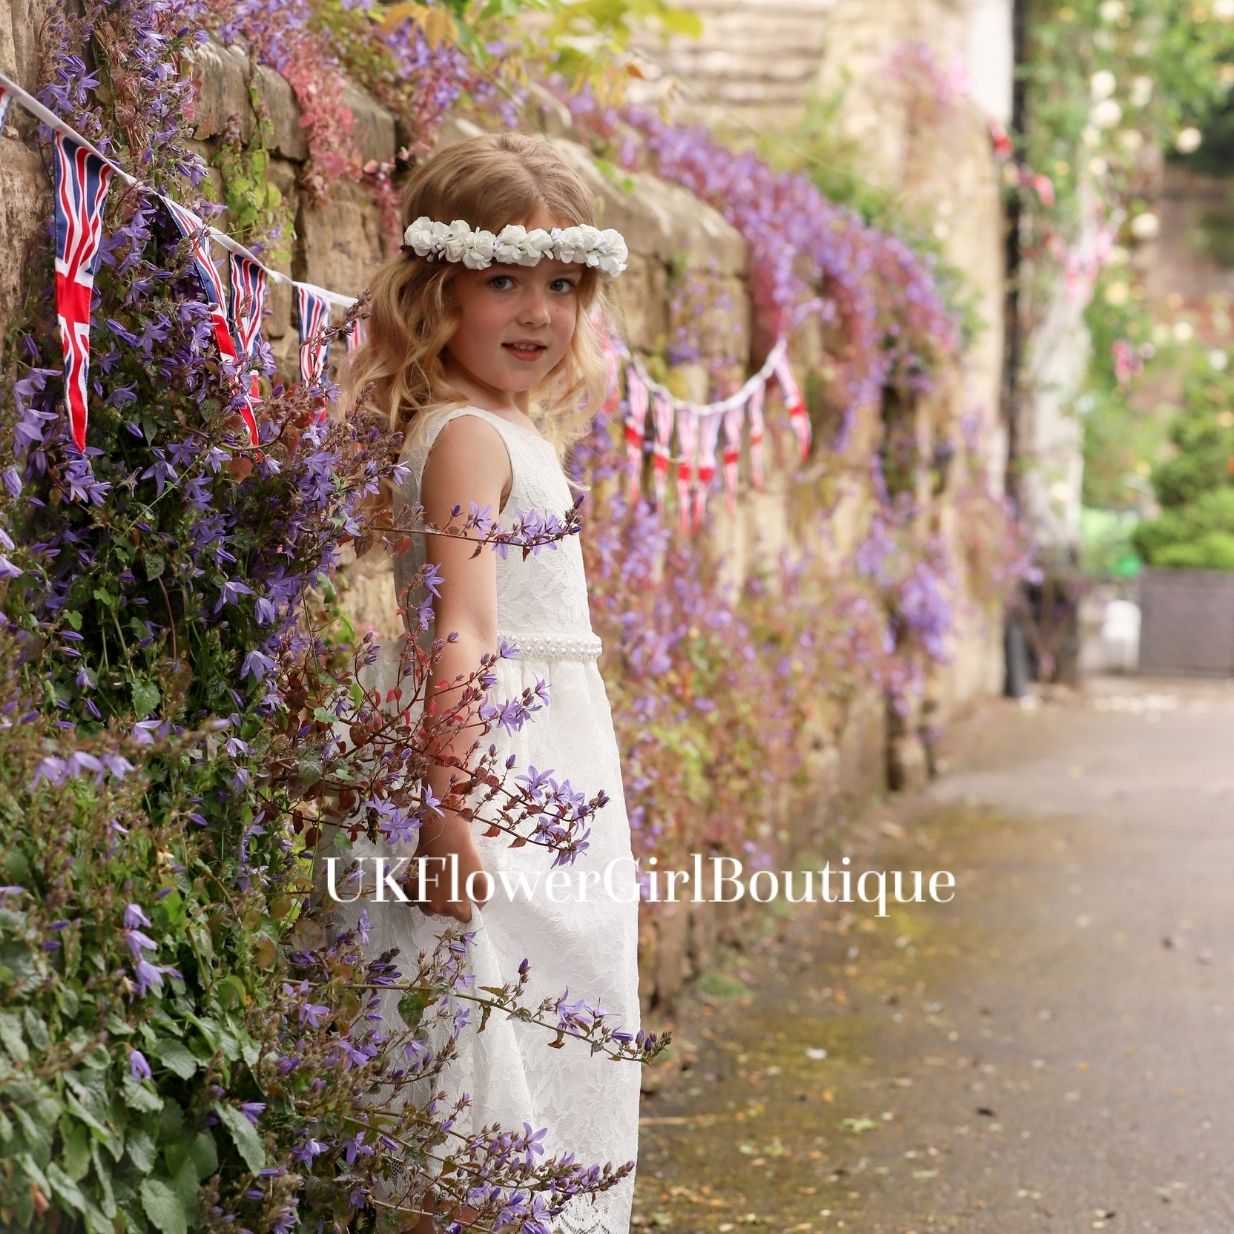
(82, 178)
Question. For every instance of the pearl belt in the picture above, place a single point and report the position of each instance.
(556, 647)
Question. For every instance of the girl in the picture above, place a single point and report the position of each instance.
(482, 350)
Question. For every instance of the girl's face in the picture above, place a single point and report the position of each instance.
(505, 306)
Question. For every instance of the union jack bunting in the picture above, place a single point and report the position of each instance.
(636, 428)
(687, 437)
(756, 436)
(660, 451)
(192, 228)
(708, 432)
(314, 311)
(732, 454)
(796, 405)
(5, 100)
(81, 183)
(248, 304)
(359, 334)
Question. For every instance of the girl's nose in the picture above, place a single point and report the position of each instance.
(534, 307)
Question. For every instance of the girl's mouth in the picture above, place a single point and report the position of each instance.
(524, 353)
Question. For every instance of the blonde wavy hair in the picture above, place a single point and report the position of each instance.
(489, 180)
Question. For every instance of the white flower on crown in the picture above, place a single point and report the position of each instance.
(479, 255)
(515, 245)
(456, 243)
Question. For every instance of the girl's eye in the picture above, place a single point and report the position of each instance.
(570, 284)
(499, 278)
(566, 283)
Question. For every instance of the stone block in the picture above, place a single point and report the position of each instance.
(288, 137)
(374, 133)
(642, 304)
(220, 75)
(20, 58)
(339, 244)
(25, 209)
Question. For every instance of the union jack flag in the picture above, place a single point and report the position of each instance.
(732, 455)
(756, 436)
(359, 334)
(687, 438)
(248, 303)
(192, 228)
(797, 415)
(314, 318)
(709, 432)
(81, 182)
(662, 416)
(5, 100)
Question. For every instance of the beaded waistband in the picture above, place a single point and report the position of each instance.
(555, 647)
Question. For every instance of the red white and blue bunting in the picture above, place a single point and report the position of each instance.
(82, 178)
(314, 310)
(80, 182)
(248, 305)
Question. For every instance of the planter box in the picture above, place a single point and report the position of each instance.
(1187, 622)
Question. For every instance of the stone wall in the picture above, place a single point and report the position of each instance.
(337, 246)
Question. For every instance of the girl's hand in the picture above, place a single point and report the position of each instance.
(433, 898)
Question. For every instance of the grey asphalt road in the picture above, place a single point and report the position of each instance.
(1050, 1053)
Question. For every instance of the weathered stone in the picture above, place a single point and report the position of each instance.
(340, 243)
(642, 304)
(20, 58)
(220, 76)
(288, 136)
(25, 208)
(374, 132)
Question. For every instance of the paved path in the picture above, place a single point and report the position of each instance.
(1051, 1052)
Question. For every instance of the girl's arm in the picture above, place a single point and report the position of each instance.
(468, 462)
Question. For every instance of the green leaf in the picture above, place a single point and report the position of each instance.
(65, 1188)
(230, 992)
(244, 1136)
(76, 1151)
(108, 1201)
(11, 1037)
(411, 1006)
(163, 1206)
(36, 1030)
(205, 1155)
(141, 1149)
(185, 1183)
(90, 1088)
(138, 1097)
(176, 1056)
(145, 695)
(78, 1110)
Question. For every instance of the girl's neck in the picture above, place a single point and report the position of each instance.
(488, 398)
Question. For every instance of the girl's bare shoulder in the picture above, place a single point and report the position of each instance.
(467, 461)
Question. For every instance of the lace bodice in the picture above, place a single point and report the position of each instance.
(544, 595)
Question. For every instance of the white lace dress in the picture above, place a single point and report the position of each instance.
(589, 1103)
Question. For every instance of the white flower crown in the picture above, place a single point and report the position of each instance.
(514, 245)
